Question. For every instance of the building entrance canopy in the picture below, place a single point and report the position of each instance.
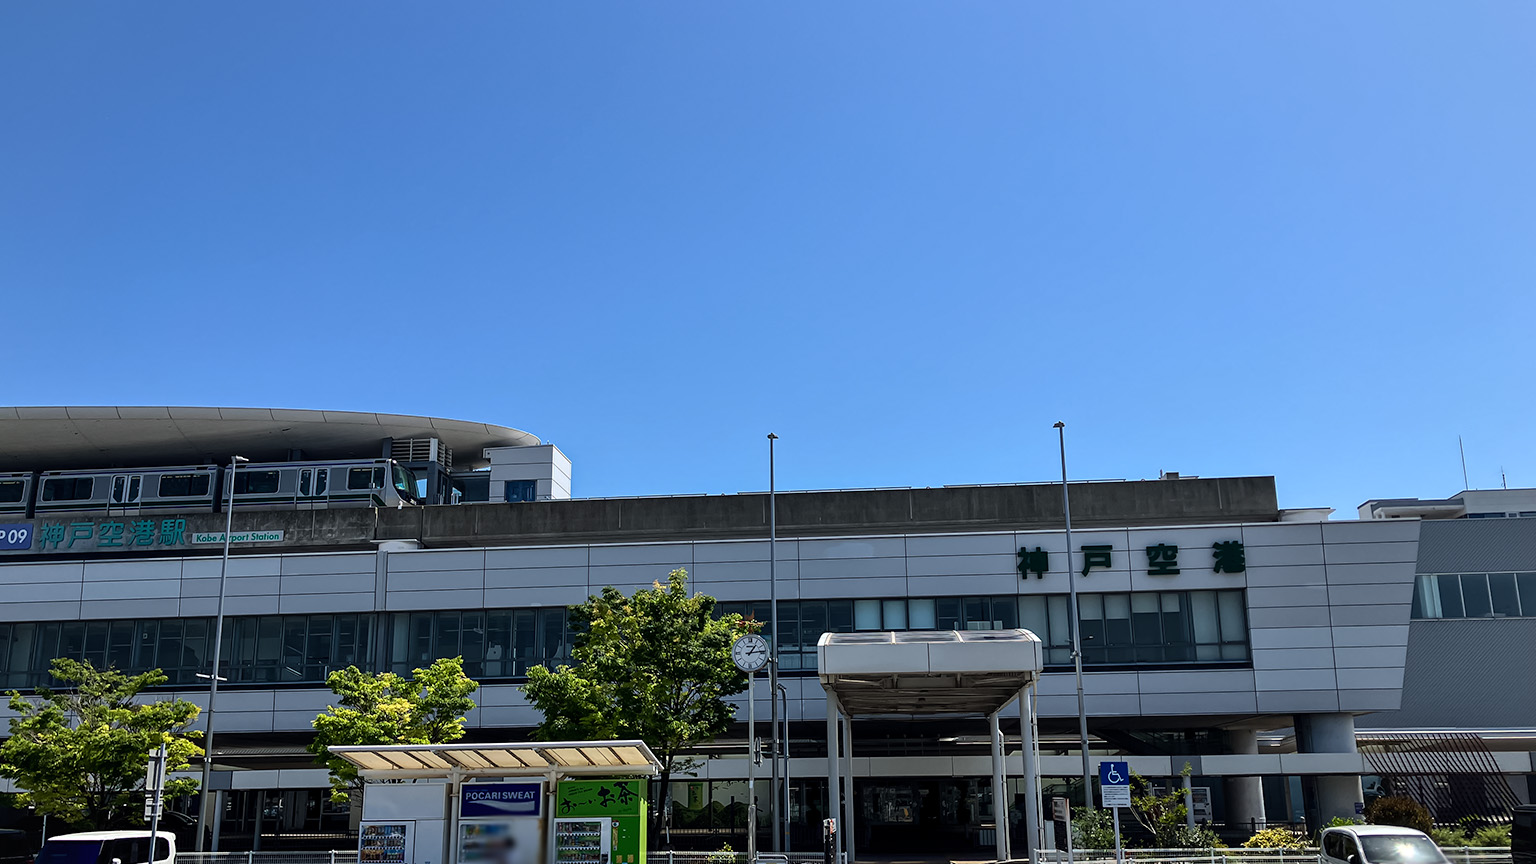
(927, 674)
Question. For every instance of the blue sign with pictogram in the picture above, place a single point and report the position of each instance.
(1115, 783)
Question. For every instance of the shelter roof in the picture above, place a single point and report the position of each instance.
(926, 672)
(527, 758)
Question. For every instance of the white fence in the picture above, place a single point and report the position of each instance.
(1239, 855)
(339, 856)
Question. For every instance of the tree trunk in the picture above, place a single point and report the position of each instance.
(663, 795)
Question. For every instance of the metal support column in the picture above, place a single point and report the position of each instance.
(999, 789)
(848, 773)
(1031, 755)
(834, 774)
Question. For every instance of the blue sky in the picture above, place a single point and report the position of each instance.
(1220, 238)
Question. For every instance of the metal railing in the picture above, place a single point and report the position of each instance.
(334, 856)
(1240, 855)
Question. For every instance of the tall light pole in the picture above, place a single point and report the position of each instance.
(1077, 643)
(773, 649)
(213, 673)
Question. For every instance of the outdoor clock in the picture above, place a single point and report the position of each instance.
(750, 653)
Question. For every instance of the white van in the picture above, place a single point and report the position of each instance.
(104, 847)
(1375, 844)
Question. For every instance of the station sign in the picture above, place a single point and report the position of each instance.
(86, 534)
(1162, 559)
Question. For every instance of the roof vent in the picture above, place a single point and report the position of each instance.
(422, 450)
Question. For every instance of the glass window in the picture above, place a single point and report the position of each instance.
(518, 491)
(306, 476)
(1401, 849)
(1234, 622)
(321, 474)
(11, 491)
(866, 614)
(978, 613)
(360, 479)
(895, 614)
(920, 615)
(1474, 594)
(947, 613)
(1090, 611)
(1032, 616)
(256, 482)
(1506, 600)
(1206, 625)
(68, 488)
(1527, 585)
(183, 485)
(839, 616)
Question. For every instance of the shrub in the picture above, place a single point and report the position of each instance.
(1093, 829)
(1274, 838)
(1492, 835)
(1342, 821)
(1401, 811)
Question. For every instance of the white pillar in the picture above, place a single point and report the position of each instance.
(1189, 804)
(834, 778)
(1031, 774)
(999, 806)
(1245, 795)
(1337, 794)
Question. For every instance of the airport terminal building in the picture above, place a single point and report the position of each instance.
(1296, 663)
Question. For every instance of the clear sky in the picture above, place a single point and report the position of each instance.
(1219, 238)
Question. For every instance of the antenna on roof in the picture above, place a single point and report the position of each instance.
(1464, 483)
(1504, 478)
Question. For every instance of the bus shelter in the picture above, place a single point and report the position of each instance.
(576, 802)
(931, 674)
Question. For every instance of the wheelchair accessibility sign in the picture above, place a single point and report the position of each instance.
(1115, 783)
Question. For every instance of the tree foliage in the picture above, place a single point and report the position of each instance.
(385, 708)
(1163, 816)
(1399, 810)
(654, 666)
(81, 753)
(1093, 829)
(1274, 838)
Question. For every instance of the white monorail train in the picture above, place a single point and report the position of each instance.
(200, 488)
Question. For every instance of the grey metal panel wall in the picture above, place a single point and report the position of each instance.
(1477, 545)
(1466, 674)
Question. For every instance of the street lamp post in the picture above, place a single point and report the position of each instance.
(1077, 643)
(773, 653)
(213, 673)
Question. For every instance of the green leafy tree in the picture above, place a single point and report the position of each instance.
(1093, 829)
(385, 708)
(655, 666)
(81, 753)
(1162, 815)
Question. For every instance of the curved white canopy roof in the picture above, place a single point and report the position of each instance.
(56, 438)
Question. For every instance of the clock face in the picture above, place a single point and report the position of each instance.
(750, 652)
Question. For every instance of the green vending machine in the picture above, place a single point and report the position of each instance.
(600, 822)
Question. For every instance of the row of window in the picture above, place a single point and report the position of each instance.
(1118, 629)
(1124, 628)
(1475, 595)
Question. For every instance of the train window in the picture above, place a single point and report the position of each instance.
(12, 491)
(256, 482)
(365, 478)
(183, 485)
(67, 488)
(320, 477)
(304, 481)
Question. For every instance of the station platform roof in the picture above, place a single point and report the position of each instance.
(62, 438)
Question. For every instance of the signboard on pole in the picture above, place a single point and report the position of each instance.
(1115, 783)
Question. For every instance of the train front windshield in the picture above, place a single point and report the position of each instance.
(405, 484)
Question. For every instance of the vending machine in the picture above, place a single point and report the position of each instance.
(600, 822)
(583, 841)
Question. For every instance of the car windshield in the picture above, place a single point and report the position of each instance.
(1400, 849)
(69, 852)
